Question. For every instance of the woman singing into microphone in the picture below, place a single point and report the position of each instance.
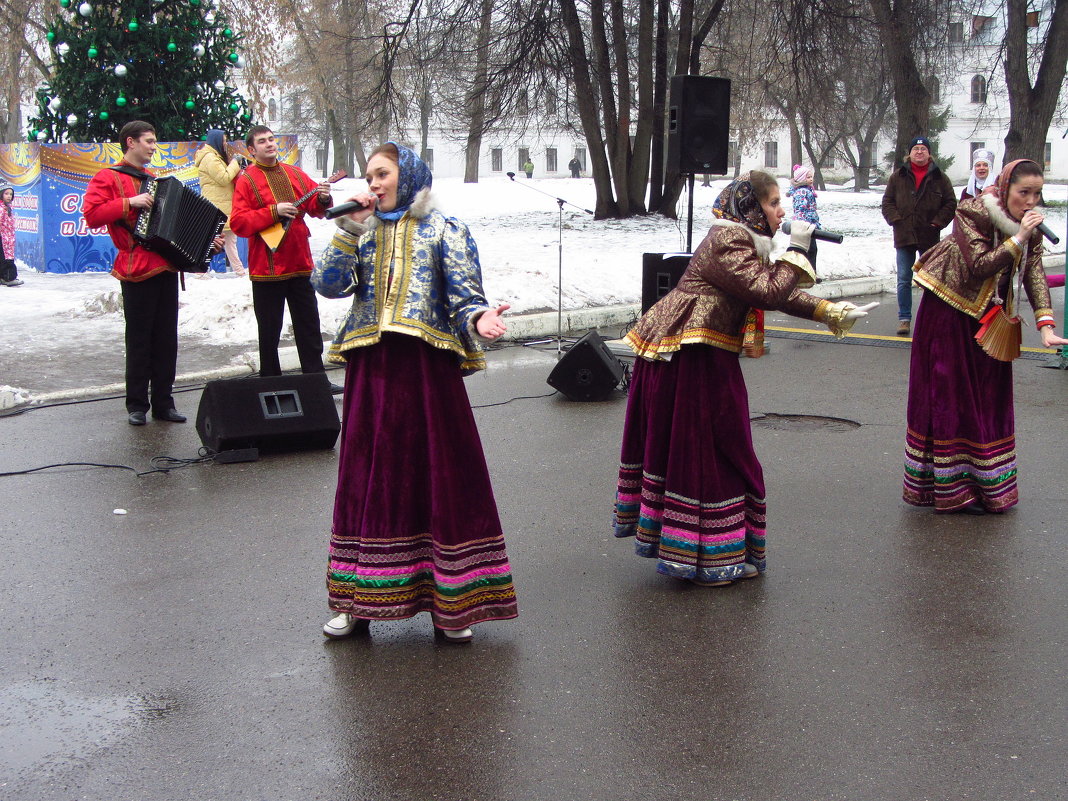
(690, 487)
(960, 448)
(415, 524)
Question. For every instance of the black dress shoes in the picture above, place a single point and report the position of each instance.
(170, 415)
(137, 418)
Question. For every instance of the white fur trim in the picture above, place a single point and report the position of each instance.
(760, 242)
(350, 226)
(1000, 218)
(423, 204)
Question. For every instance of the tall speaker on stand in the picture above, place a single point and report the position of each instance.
(698, 131)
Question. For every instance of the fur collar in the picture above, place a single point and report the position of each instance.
(761, 243)
(1002, 221)
(419, 210)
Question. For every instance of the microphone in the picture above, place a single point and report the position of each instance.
(1046, 232)
(819, 233)
(344, 208)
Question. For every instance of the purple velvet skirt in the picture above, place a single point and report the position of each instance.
(960, 445)
(690, 487)
(415, 523)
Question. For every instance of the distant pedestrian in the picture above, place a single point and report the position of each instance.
(804, 199)
(218, 170)
(918, 203)
(415, 526)
(574, 165)
(691, 489)
(980, 179)
(528, 168)
(960, 448)
(9, 273)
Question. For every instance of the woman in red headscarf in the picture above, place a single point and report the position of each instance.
(960, 451)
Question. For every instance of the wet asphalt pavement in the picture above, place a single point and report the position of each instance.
(175, 652)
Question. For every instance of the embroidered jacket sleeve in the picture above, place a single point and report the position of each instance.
(104, 202)
(254, 209)
(463, 276)
(1034, 279)
(985, 251)
(335, 274)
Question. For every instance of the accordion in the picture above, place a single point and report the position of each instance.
(180, 225)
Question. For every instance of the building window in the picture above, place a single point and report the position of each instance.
(550, 159)
(956, 33)
(497, 160)
(580, 154)
(1032, 19)
(524, 157)
(828, 162)
(981, 25)
(972, 147)
(1047, 155)
(272, 110)
(978, 89)
(771, 154)
(320, 160)
(550, 103)
(521, 103)
(934, 88)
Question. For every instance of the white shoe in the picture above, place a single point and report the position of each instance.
(343, 625)
(461, 636)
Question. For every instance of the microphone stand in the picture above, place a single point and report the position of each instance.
(560, 202)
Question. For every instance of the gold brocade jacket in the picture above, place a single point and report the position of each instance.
(418, 275)
(966, 268)
(729, 274)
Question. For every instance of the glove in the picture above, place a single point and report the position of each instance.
(801, 235)
(841, 316)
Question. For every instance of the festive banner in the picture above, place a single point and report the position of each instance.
(50, 181)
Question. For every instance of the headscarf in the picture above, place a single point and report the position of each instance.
(738, 203)
(802, 175)
(414, 176)
(1000, 189)
(215, 139)
(975, 186)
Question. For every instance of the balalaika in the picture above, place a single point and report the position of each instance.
(180, 225)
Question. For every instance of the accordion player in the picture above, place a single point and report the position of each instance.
(180, 225)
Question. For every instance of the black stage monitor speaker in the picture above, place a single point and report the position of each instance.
(274, 414)
(587, 372)
(660, 273)
(699, 125)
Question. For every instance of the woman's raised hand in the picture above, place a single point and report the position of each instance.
(1031, 220)
(489, 324)
(368, 200)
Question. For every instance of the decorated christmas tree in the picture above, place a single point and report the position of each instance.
(169, 62)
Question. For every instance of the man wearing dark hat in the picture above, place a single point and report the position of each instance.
(918, 203)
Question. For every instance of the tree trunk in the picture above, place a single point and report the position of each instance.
(659, 127)
(639, 165)
(476, 99)
(673, 182)
(587, 107)
(1031, 108)
(911, 96)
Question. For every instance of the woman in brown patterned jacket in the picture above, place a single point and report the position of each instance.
(690, 486)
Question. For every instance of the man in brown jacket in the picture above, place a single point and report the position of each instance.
(918, 203)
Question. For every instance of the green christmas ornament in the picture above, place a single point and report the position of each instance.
(172, 47)
(51, 36)
(103, 116)
(190, 105)
(133, 26)
(194, 3)
(181, 130)
(92, 52)
(120, 101)
(228, 33)
(64, 3)
(246, 118)
(234, 107)
(233, 57)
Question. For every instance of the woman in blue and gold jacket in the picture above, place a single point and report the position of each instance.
(415, 524)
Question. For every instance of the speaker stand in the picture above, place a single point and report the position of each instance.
(689, 215)
(559, 339)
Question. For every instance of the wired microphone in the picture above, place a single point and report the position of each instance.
(819, 233)
(1046, 232)
(344, 208)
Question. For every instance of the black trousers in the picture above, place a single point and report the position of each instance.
(269, 299)
(151, 311)
(8, 270)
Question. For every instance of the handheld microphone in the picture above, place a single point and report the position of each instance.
(1052, 237)
(344, 208)
(819, 233)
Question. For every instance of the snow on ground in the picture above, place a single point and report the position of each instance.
(517, 233)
